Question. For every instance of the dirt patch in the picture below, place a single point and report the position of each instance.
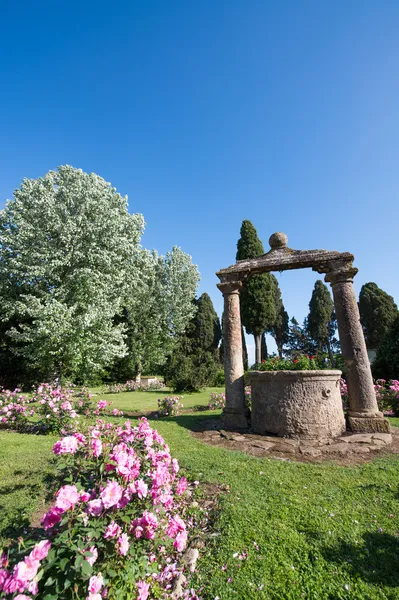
(347, 450)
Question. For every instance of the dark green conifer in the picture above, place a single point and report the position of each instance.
(377, 313)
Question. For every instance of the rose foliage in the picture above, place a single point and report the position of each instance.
(118, 524)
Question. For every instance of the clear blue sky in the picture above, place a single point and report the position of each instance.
(207, 113)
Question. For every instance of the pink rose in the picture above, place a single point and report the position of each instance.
(41, 550)
(97, 447)
(92, 559)
(96, 583)
(95, 507)
(142, 488)
(180, 541)
(51, 518)
(123, 544)
(113, 530)
(111, 494)
(181, 486)
(68, 445)
(144, 590)
(67, 497)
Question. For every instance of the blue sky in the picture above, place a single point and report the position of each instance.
(207, 113)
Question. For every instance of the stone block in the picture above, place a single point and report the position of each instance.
(383, 437)
(357, 438)
(368, 425)
(234, 421)
(342, 449)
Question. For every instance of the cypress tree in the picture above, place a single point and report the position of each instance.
(377, 313)
(206, 333)
(280, 329)
(386, 364)
(258, 312)
(321, 309)
(194, 363)
(298, 339)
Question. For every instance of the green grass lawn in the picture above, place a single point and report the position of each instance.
(148, 401)
(309, 531)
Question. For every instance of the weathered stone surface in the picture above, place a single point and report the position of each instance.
(286, 448)
(368, 424)
(361, 394)
(234, 421)
(235, 414)
(360, 449)
(340, 449)
(282, 259)
(264, 445)
(357, 438)
(310, 451)
(384, 437)
(297, 404)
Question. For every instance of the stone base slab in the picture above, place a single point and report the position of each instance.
(368, 425)
(234, 421)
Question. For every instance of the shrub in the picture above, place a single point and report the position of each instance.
(302, 362)
(117, 527)
(220, 379)
(169, 406)
(217, 401)
(132, 386)
(49, 409)
(386, 364)
(387, 394)
(185, 372)
(14, 409)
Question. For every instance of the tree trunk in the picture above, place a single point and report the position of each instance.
(264, 353)
(279, 349)
(244, 351)
(258, 348)
(138, 374)
(330, 354)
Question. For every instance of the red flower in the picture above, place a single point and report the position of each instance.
(295, 360)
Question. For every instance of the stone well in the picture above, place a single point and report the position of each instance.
(297, 404)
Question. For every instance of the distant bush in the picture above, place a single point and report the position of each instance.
(190, 372)
(220, 379)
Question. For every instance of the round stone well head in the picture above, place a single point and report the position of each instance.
(297, 404)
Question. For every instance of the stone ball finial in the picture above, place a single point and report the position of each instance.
(278, 240)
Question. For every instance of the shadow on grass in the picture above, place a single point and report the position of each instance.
(375, 560)
(197, 422)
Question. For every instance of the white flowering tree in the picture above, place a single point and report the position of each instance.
(159, 307)
(67, 245)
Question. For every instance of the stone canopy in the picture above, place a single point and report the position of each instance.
(364, 415)
(282, 258)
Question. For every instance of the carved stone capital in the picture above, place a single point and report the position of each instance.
(230, 287)
(345, 273)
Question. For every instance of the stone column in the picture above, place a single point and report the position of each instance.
(235, 414)
(364, 415)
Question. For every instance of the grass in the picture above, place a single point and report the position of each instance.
(310, 531)
(144, 402)
(26, 468)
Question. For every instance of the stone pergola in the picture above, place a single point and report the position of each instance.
(339, 271)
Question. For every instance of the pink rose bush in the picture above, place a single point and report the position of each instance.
(217, 401)
(169, 406)
(49, 409)
(15, 409)
(118, 524)
(133, 386)
(387, 394)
